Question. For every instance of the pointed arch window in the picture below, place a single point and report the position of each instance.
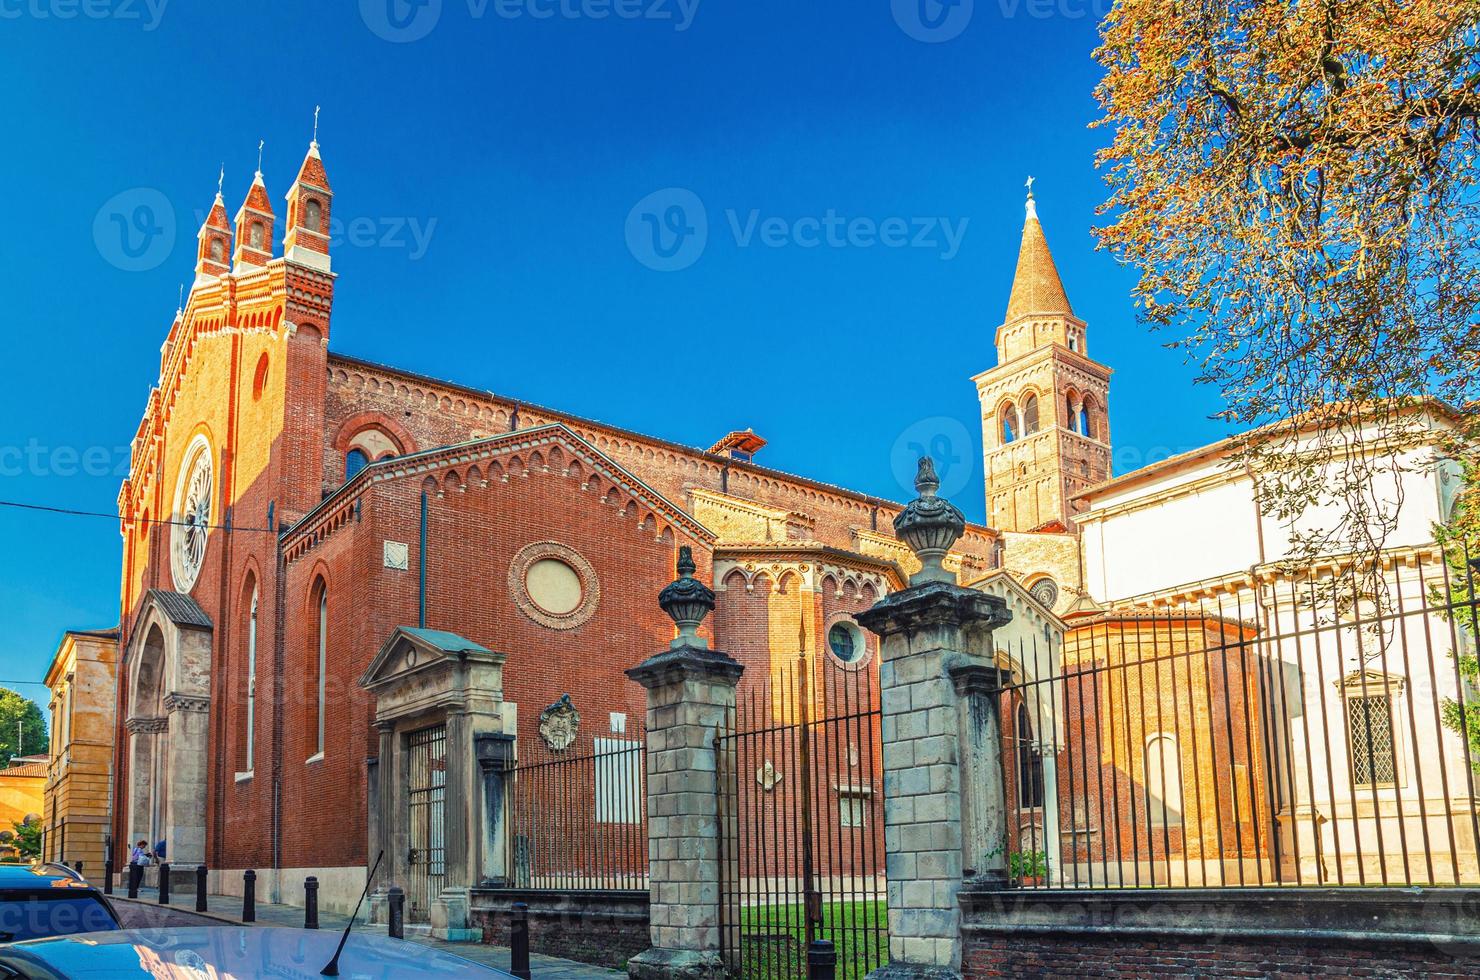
(313, 215)
(320, 669)
(1030, 415)
(248, 756)
(218, 251)
(257, 233)
(1029, 762)
(1009, 424)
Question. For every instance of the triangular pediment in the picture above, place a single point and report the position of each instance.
(413, 650)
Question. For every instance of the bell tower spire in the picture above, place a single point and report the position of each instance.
(212, 255)
(1045, 429)
(254, 225)
(307, 240)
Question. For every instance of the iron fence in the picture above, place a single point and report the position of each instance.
(577, 817)
(1296, 727)
(801, 821)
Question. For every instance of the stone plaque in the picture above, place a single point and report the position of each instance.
(397, 555)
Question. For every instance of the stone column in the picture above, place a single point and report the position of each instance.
(691, 693)
(495, 759)
(930, 632)
(449, 912)
(382, 820)
(983, 800)
(185, 791)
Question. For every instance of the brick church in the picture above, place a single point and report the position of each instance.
(338, 574)
(323, 556)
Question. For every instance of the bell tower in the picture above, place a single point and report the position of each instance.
(1045, 428)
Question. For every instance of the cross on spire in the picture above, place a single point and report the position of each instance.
(316, 125)
(220, 179)
(1029, 186)
(260, 145)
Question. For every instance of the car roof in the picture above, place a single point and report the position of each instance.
(236, 951)
(38, 876)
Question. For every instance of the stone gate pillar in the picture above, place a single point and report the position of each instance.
(691, 693)
(935, 634)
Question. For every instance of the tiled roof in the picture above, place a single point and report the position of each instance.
(25, 769)
(180, 608)
(1036, 287)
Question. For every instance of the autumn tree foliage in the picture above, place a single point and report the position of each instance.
(1296, 183)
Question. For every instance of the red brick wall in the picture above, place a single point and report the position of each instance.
(1025, 955)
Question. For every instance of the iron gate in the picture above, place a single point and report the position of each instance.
(801, 817)
(426, 794)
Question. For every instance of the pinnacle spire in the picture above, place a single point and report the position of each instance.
(1036, 286)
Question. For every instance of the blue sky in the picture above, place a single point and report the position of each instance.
(489, 158)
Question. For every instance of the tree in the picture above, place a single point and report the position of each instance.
(1459, 597)
(16, 710)
(28, 839)
(1296, 183)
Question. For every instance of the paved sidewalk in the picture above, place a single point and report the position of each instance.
(228, 908)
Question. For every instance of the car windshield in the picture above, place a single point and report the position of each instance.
(36, 915)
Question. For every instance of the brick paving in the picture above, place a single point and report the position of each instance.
(228, 909)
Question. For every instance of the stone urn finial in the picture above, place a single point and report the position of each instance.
(687, 601)
(929, 525)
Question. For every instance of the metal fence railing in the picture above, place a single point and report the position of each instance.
(1313, 726)
(577, 818)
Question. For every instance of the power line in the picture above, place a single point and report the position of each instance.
(70, 512)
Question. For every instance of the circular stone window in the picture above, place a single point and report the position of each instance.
(845, 642)
(1046, 591)
(553, 585)
(192, 516)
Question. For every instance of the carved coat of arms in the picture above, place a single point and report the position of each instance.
(558, 724)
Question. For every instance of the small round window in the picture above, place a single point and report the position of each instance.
(845, 641)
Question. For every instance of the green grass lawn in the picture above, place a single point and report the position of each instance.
(773, 939)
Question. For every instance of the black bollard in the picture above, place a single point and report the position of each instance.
(135, 872)
(519, 941)
(310, 902)
(164, 883)
(78, 866)
(822, 960)
(396, 906)
(108, 864)
(249, 895)
(200, 888)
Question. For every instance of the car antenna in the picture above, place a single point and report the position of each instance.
(332, 969)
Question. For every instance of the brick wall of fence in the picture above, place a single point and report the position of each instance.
(1351, 932)
(605, 928)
